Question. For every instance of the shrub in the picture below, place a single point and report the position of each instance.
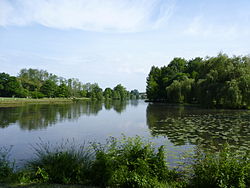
(127, 162)
(66, 163)
(130, 162)
(222, 169)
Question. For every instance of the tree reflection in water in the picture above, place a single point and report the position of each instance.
(182, 125)
(39, 116)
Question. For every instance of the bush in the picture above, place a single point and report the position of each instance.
(222, 169)
(130, 162)
(36, 95)
(66, 163)
(127, 162)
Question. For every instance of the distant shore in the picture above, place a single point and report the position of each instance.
(7, 101)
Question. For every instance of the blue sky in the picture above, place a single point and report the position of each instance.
(117, 41)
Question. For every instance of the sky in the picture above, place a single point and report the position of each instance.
(117, 41)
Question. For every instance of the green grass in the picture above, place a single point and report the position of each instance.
(65, 163)
(44, 186)
(4, 101)
(126, 162)
(6, 166)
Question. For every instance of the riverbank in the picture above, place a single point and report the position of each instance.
(43, 186)
(4, 101)
(126, 162)
(197, 105)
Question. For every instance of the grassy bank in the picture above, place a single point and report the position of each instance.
(125, 162)
(4, 101)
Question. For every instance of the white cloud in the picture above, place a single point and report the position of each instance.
(199, 26)
(93, 15)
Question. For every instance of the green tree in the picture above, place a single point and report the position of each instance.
(62, 91)
(33, 79)
(134, 94)
(95, 92)
(9, 86)
(153, 89)
(218, 81)
(178, 65)
(120, 92)
(108, 93)
(49, 88)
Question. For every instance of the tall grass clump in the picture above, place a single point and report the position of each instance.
(223, 169)
(130, 162)
(6, 166)
(65, 163)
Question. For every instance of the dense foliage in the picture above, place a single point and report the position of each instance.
(130, 162)
(34, 83)
(127, 162)
(220, 81)
(222, 169)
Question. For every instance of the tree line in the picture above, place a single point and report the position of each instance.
(34, 83)
(220, 82)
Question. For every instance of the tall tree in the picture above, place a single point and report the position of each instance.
(218, 81)
(107, 93)
(9, 86)
(120, 92)
(49, 88)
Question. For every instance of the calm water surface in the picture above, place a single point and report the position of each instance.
(179, 128)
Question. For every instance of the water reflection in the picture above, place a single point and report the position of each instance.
(118, 105)
(190, 125)
(182, 125)
(39, 116)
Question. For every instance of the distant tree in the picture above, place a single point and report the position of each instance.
(95, 92)
(107, 94)
(120, 92)
(37, 94)
(134, 94)
(39, 83)
(116, 95)
(33, 79)
(62, 91)
(49, 88)
(9, 86)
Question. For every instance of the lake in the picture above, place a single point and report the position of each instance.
(180, 128)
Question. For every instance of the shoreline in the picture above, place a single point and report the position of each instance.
(10, 102)
(197, 105)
